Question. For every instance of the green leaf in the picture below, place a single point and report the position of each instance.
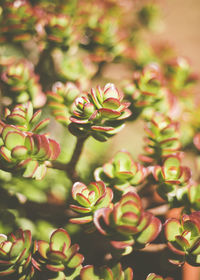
(151, 232)
(60, 239)
(87, 273)
(172, 229)
(30, 169)
(75, 261)
(19, 152)
(16, 248)
(82, 200)
(128, 274)
(41, 125)
(13, 139)
(43, 247)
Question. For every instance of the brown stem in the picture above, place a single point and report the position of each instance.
(70, 167)
(151, 248)
(159, 210)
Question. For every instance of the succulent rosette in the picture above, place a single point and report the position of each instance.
(147, 94)
(59, 31)
(58, 259)
(162, 139)
(18, 21)
(184, 239)
(88, 272)
(15, 255)
(121, 172)
(21, 148)
(179, 74)
(21, 84)
(171, 177)
(89, 198)
(127, 224)
(104, 37)
(100, 113)
(60, 100)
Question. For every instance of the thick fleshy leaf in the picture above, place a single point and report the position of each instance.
(42, 144)
(13, 139)
(109, 113)
(102, 213)
(19, 152)
(127, 229)
(80, 209)
(40, 172)
(117, 271)
(8, 128)
(55, 267)
(82, 200)
(16, 248)
(55, 149)
(5, 154)
(35, 118)
(128, 274)
(111, 103)
(106, 273)
(75, 261)
(150, 232)
(81, 220)
(16, 119)
(42, 247)
(29, 143)
(41, 125)
(88, 273)
(56, 256)
(60, 240)
(182, 242)
(31, 167)
(172, 229)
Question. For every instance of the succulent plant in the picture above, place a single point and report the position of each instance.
(147, 94)
(58, 259)
(88, 272)
(15, 254)
(127, 224)
(171, 177)
(100, 113)
(121, 172)
(89, 198)
(162, 139)
(20, 83)
(59, 31)
(21, 149)
(179, 74)
(18, 21)
(61, 99)
(184, 239)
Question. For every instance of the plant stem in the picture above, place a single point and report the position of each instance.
(70, 167)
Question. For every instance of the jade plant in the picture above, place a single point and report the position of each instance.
(78, 80)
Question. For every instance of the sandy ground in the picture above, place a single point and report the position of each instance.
(182, 28)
